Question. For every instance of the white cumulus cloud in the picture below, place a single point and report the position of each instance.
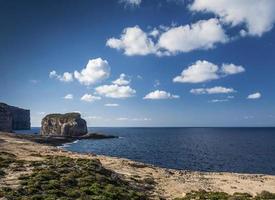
(202, 71)
(160, 94)
(69, 96)
(65, 77)
(229, 69)
(258, 16)
(115, 91)
(256, 95)
(121, 80)
(133, 41)
(213, 90)
(204, 34)
(89, 98)
(95, 71)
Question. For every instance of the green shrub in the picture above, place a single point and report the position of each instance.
(203, 195)
(69, 179)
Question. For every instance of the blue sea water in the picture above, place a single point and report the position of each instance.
(244, 150)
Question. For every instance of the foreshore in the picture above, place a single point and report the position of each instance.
(161, 183)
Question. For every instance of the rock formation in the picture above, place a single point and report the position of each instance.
(65, 125)
(5, 119)
(13, 118)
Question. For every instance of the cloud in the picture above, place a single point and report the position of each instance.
(256, 95)
(218, 100)
(66, 77)
(68, 96)
(122, 119)
(41, 113)
(131, 3)
(33, 81)
(93, 117)
(156, 83)
(154, 33)
(133, 41)
(139, 77)
(204, 34)
(111, 105)
(89, 98)
(160, 94)
(133, 119)
(95, 71)
(121, 80)
(229, 69)
(202, 71)
(213, 90)
(141, 119)
(115, 91)
(258, 16)
(249, 117)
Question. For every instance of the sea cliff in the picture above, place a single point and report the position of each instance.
(14, 118)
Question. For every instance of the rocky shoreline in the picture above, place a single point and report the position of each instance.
(59, 140)
(25, 164)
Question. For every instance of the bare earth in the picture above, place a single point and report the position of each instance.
(169, 183)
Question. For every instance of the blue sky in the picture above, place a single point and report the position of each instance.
(141, 63)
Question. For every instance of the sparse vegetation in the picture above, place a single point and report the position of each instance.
(66, 179)
(63, 116)
(5, 160)
(203, 195)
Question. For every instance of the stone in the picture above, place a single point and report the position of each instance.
(14, 118)
(63, 125)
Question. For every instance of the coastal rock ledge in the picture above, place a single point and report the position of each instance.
(63, 125)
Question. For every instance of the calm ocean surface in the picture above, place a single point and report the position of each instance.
(246, 150)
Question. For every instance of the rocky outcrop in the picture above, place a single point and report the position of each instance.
(64, 125)
(14, 118)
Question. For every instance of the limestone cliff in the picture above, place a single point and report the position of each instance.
(14, 118)
(65, 125)
(5, 119)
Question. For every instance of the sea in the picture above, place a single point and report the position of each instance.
(242, 150)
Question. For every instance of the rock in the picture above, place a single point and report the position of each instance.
(14, 118)
(97, 136)
(64, 125)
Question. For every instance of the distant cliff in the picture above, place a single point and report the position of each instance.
(14, 118)
(65, 125)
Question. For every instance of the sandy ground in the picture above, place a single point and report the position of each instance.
(168, 183)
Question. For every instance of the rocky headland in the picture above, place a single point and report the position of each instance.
(14, 118)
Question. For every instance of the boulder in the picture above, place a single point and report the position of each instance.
(14, 118)
(63, 125)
